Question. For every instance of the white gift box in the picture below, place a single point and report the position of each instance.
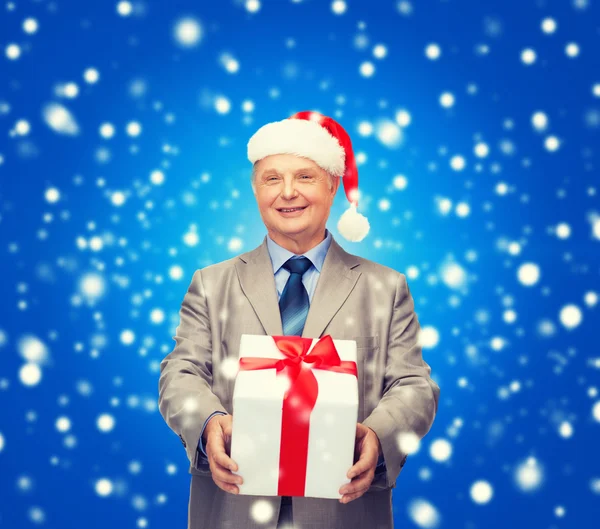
(258, 417)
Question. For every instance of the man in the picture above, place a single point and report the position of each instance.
(299, 281)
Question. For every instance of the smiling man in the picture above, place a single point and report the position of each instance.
(294, 196)
(301, 282)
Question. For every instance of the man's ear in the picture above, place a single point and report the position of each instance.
(336, 184)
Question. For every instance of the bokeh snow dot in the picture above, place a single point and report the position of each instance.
(379, 51)
(528, 274)
(565, 429)
(63, 424)
(596, 411)
(13, 51)
(528, 56)
(481, 492)
(157, 316)
(572, 49)
(176, 272)
(60, 119)
(91, 75)
(453, 275)
(447, 100)
(105, 422)
(549, 25)
(52, 195)
(133, 128)
(552, 143)
(157, 177)
(590, 298)
(22, 127)
(118, 198)
(32, 349)
(440, 450)
(30, 25)
(222, 105)
(252, 6)
(433, 51)
(423, 514)
(261, 511)
(457, 163)
(127, 337)
(409, 442)
(528, 475)
(400, 182)
(30, 374)
(539, 120)
(384, 204)
(124, 8)
(462, 209)
(563, 230)
(188, 32)
(481, 150)
(570, 316)
(235, 244)
(403, 118)
(107, 130)
(92, 285)
(367, 69)
(428, 337)
(104, 487)
(338, 7)
(388, 133)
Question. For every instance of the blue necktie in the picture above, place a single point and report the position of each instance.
(294, 302)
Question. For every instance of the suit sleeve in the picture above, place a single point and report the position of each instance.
(410, 397)
(185, 397)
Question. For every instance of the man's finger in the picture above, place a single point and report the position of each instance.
(349, 497)
(223, 474)
(227, 487)
(359, 467)
(359, 482)
(357, 488)
(217, 451)
(221, 458)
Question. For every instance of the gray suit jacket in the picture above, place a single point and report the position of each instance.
(355, 299)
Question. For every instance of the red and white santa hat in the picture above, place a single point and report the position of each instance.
(324, 141)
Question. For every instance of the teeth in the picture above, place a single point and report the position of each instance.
(290, 210)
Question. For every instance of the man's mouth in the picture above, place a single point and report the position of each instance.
(290, 210)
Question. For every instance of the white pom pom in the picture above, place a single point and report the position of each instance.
(352, 225)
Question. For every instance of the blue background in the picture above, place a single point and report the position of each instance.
(49, 477)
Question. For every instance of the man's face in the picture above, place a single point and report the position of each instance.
(289, 181)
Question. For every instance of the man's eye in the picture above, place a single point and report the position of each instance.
(305, 175)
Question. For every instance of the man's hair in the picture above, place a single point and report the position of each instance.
(253, 179)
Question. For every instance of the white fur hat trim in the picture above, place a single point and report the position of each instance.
(300, 137)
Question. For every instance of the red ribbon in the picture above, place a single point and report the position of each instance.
(299, 400)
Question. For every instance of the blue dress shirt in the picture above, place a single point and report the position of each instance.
(279, 256)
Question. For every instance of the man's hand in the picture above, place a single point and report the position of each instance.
(218, 446)
(368, 448)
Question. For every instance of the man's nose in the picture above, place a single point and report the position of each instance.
(289, 189)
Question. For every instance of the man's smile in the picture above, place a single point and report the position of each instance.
(290, 212)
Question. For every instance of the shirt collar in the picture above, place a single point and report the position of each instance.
(280, 255)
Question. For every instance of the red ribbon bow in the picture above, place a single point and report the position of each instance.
(299, 400)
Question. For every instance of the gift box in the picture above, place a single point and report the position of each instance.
(295, 409)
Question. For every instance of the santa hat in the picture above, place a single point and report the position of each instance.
(323, 140)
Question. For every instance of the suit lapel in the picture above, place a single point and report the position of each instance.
(336, 281)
